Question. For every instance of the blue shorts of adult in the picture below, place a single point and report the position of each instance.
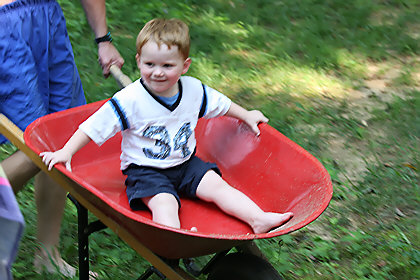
(38, 75)
(183, 179)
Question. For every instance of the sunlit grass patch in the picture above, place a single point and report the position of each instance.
(279, 78)
(273, 80)
(409, 75)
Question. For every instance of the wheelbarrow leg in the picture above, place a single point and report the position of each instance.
(83, 239)
(252, 248)
(82, 221)
(83, 231)
(149, 272)
(173, 263)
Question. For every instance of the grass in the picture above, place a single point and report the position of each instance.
(340, 78)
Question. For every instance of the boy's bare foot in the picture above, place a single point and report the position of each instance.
(270, 220)
(52, 263)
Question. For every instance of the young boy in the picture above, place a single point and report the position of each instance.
(157, 115)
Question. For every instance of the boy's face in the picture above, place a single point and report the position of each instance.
(161, 67)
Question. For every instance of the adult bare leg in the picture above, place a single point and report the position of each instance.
(50, 201)
(19, 169)
(213, 188)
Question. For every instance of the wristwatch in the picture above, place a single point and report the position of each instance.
(106, 38)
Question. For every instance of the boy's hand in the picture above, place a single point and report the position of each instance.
(51, 158)
(253, 118)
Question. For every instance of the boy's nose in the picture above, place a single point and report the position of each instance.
(158, 72)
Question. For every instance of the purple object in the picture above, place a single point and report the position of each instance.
(11, 227)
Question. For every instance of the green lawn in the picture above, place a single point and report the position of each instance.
(340, 78)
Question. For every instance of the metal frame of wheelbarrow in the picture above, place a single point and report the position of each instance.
(86, 228)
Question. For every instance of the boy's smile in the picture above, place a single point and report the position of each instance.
(161, 67)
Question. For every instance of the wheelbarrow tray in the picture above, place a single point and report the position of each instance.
(271, 169)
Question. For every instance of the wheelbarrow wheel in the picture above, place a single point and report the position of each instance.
(243, 266)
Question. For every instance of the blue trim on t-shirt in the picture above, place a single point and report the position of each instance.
(120, 113)
(174, 105)
(203, 108)
(169, 101)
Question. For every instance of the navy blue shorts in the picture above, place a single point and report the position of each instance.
(38, 75)
(143, 181)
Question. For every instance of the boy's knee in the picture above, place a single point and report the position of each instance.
(212, 186)
(161, 201)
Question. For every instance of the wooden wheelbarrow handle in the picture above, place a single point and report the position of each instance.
(14, 134)
(122, 79)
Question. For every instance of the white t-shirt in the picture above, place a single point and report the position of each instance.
(153, 133)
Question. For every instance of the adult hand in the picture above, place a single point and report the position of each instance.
(107, 56)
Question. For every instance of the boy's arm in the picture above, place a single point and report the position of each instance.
(251, 118)
(75, 143)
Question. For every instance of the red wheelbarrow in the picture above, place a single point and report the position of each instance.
(271, 169)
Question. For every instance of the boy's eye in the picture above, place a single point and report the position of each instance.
(149, 64)
(167, 65)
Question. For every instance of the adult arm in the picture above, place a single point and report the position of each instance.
(108, 55)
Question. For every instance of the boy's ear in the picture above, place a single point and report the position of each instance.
(187, 64)
(138, 60)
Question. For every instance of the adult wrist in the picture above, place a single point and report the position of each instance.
(106, 38)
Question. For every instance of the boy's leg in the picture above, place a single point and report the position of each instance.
(19, 169)
(164, 207)
(50, 201)
(213, 188)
